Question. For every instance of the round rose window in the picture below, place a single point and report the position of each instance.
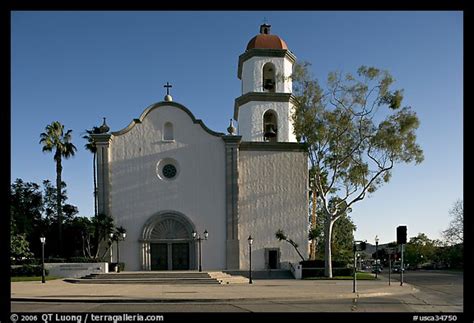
(169, 171)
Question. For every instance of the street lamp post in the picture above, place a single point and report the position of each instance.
(354, 272)
(198, 238)
(389, 267)
(43, 278)
(376, 256)
(354, 269)
(250, 240)
(111, 235)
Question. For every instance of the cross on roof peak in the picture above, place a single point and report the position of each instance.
(167, 86)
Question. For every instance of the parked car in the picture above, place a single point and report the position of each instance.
(376, 269)
(396, 269)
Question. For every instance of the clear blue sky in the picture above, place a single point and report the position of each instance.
(76, 67)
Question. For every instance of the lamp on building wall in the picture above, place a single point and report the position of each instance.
(250, 240)
(118, 236)
(198, 238)
(43, 278)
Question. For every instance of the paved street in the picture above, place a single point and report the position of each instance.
(438, 289)
(380, 304)
(423, 291)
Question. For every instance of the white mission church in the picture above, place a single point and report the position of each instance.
(167, 175)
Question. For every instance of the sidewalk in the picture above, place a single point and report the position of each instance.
(58, 290)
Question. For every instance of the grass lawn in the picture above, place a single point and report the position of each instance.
(32, 278)
(359, 276)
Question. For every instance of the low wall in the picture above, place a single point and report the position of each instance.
(76, 270)
(262, 274)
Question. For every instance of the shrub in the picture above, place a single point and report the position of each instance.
(83, 259)
(29, 261)
(28, 270)
(342, 272)
(55, 260)
(319, 272)
(319, 263)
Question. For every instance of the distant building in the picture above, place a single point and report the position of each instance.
(167, 175)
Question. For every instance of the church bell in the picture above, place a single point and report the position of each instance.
(269, 132)
(268, 85)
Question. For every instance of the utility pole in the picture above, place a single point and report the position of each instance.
(401, 269)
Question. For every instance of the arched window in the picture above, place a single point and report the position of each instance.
(270, 126)
(168, 131)
(269, 83)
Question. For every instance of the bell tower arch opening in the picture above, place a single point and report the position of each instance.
(269, 81)
(270, 126)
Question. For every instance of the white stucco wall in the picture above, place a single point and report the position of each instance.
(252, 74)
(250, 125)
(272, 195)
(137, 193)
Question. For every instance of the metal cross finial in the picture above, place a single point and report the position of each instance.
(167, 86)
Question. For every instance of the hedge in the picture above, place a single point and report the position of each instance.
(28, 270)
(319, 263)
(319, 272)
(83, 259)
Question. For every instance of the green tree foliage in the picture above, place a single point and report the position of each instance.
(34, 214)
(342, 240)
(50, 197)
(51, 221)
(103, 225)
(420, 249)
(19, 246)
(54, 139)
(454, 234)
(451, 256)
(356, 131)
(26, 206)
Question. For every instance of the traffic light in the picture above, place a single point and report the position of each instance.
(402, 234)
(363, 245)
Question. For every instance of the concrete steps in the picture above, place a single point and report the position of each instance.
(163, 277)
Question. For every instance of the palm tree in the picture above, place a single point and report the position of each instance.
(56, 139)
(280, 235)
(92, 147)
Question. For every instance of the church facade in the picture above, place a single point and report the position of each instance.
(168, 179)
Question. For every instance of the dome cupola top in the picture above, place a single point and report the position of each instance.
(265, 40)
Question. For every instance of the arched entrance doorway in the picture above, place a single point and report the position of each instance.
(167, 242)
